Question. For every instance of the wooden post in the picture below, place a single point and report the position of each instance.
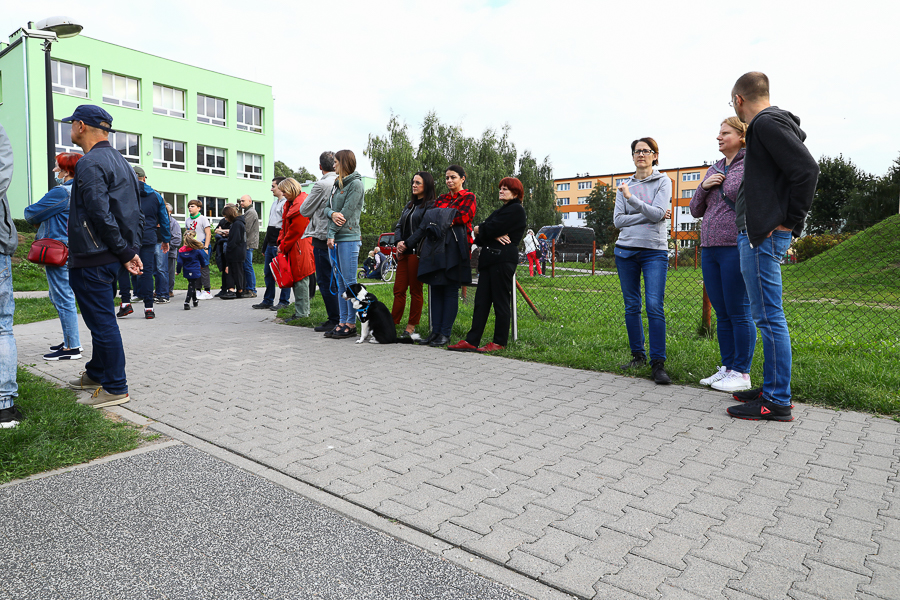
(527, 299)
(594, 258)
(553, 258)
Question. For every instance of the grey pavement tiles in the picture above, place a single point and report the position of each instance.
(593, 484)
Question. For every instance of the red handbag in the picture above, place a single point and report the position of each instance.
(45, 251)
(281, 270)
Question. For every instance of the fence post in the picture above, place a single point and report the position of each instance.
(594, 258)
(553, 258)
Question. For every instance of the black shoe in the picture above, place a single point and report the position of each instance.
(249, 294)
(149, 314)
(220, 294)
(747, 395)
(324, 326)
(429, 339)
(124, 311)
(279, 306)
(658, 372)
(228, 296)
(330, 333)
(58, 347)
(439, 340)
(10, 417)
(161, 300)
(639, 359)
(262, 305)
(187, 306)
(196, 302)
(343, 333)
(761, 410)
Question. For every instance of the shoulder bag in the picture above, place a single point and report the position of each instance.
(46, 251)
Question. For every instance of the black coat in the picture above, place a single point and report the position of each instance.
(443, 249)
(236, 247)
(509, 220)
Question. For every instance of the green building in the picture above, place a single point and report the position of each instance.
(198, 134)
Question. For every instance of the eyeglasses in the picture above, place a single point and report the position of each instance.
(644, 151)
(733, 101)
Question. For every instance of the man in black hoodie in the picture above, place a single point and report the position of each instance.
(779, 183)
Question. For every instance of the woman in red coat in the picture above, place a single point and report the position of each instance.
(299, 251)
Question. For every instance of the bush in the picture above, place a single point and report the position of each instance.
(23, 226)
(813, 245)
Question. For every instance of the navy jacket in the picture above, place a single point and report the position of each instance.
(156, 217)
(191, 260)
(105, 219)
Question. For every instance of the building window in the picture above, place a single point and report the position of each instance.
(249, 118)
(582, 200)
(687, 226)
(258, 207)
(687, 193)
(168, 101)
(168, 154)
(690, 176)
(212, 206)
(562, 187)
(562, 201)
(121, 90)
(69, 79)
(684, 210)
(249, 165)
(210, 160)
(63, 135)
(128, 145)
(178, 202)
(566, 216)
(581, 215)
(621, 180)
(585, 185)
(210, 110)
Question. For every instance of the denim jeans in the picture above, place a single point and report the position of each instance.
(249, 272)
(653, 264)
(728, 295)
(93, 287)
(444, 302)
(269, 296)
(173, 262)
(345, 258)
(327, 287)
(761, 267)
(9, 389)
(162, 272)
(63, 299)
(145, 279)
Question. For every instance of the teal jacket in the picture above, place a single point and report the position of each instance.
(349, 202)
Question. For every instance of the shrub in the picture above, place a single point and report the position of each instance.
(813, 245)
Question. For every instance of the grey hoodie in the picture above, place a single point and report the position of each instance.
(642, 218)
(9, 237)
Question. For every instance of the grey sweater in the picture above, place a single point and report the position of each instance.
(642, 218)
(9, 237)
(312, 207)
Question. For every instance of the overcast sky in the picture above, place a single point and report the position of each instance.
(577, 81)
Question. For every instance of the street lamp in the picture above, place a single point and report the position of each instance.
(51, 30)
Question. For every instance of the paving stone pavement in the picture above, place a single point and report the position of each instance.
(598, 485)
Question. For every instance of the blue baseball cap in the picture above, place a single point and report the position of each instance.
(91, 115)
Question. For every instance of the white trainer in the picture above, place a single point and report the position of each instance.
(204, 295)
(714, 377)
(733, 382)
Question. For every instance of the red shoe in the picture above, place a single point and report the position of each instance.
(490, 347)
(463, 346)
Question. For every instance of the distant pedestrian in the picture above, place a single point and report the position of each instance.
(641, 250)
(191, 260)
(298, 249)
(105, 228)
(422, 199)
(195, 221)
(235, 254)
(531, 252)
(544, 249)
(313, 208)
(10, 416)
(721, 261)
(174, 245)
(779, 184)
(251, 222)
(51, 213)
(270, 251)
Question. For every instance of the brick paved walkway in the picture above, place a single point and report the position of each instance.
(597, 485)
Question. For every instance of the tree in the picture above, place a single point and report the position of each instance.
(875, 200)
(839, 179)
(602, 203)
(540, 198)
(302, 176)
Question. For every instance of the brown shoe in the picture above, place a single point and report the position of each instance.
(101, 399)
(83, 382)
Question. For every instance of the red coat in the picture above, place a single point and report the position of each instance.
(299, 251)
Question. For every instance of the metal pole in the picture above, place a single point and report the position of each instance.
(594, 258)
(553, 258)
(51, 128)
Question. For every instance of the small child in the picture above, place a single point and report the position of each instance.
(191, 258)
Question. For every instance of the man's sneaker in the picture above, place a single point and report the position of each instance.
(715, 376)
(261, 306)
(747, 395)
(64, 354)
(101, 399)
(124, 311)
(279, 306)
(228, 296)
(761, 410)
(204, 295)
(733, 382)
(59, 346)
(149, 314)
(161, 300)
(658, 372)
(638, 359)
(249, 294)
(323, 326)
(10, 417)
(136, 299)
(83, 382)
(219, 294)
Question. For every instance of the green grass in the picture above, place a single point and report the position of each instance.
(58, 432)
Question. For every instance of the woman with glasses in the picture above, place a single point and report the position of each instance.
(721, 262)
(422, 199)
(640, 215)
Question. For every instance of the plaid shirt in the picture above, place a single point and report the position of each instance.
(464, 202)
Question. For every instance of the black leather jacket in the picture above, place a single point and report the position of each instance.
(105, 219)
(409, 221)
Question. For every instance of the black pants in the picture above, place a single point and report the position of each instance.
(193, 286)
(494, 289)
(234, 278)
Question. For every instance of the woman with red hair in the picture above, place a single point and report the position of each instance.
(499, 238)
(51, 213)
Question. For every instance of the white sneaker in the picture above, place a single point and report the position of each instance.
(733, 382)
(204, 295)
(714, 377)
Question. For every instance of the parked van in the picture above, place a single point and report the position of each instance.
(573, 244)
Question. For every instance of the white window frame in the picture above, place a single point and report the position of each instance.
(204, 167)
(683, 210)
(562, 187)
(159, 101)
(583, 199)
(56, 73)
(132, 158)
(565, 216)
(690, 176)
(58, 129)
(178, 202)
(585, 185)
(211, 208)
(621, 180)
(562, 202)
(255, 172)
(243, 124)
(582, 215)
(211, 119)
(688, 193)
(159, 160)
(124, 82)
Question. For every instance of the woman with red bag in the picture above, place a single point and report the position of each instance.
(299, 252)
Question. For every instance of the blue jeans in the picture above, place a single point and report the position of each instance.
(761, 267)
(653, 264)
(249, 272)
(144, 287)
(93, 287)
(444, 302)
(325, 279)
(162, 272)
(728, 296)
(9, 389)
(269, 296)
(63, 299)
(345, 258)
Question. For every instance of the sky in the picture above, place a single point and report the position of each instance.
(575, 81)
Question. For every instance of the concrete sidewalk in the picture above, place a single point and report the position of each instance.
(593, 484)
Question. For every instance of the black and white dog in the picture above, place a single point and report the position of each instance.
(375, 316)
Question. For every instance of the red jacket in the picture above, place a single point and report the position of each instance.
(299, 251)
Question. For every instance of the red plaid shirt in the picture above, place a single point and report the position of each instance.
(464, 202)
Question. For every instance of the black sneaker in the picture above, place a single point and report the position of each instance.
(761, 410)
(161, 300)
(220, 294)
(187, 306)
(261, 306)
(323, 326)
(639, 359)
(658, 372)
(227, 296)
(124, 311)
(747, 395)
(149, 314)
(10, 417)
(280, 305)
(62, 354)
(59, 346)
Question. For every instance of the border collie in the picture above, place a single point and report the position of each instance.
(375, 316)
